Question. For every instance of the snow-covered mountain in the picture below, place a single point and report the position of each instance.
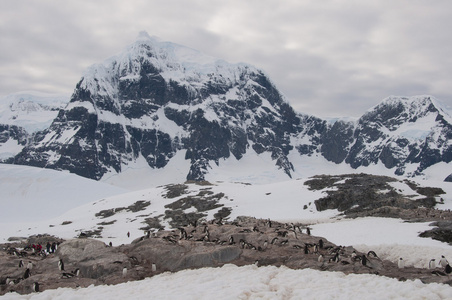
(158, 101)
(24, 113)
(32, 111)
(407, 134)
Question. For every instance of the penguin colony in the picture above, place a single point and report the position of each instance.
(261, 236)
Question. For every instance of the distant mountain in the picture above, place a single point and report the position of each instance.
(407, 134)
(157, 98)
(24, 113)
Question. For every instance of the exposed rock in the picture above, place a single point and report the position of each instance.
(242, 242)
(365, 194)
(442, 231)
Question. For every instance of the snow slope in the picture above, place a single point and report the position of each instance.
(34, 194)
(81, 199)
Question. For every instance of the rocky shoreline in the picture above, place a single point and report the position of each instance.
(211, 244)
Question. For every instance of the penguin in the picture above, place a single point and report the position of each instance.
(36, 287)
(153, 267)
(27, 273)
(231, 240)
(21, 264)
(183, 234)
(336, 257)
(432, 264)
(124, 272)
(306, 250)
(320, 259)
(308, 231)
(9, 281)
(128, 234)
(265, 244)
(67, 275)
(30, 265)
(372, 254)
(256, 263)
(77, 272)
(448, 269)
(61, 265)
(274, 240)
(364, 260)
(321, 244)
(401, 263)
(207, 237)
(443, 261)
(354, 254)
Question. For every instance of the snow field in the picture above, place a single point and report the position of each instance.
(251, 282)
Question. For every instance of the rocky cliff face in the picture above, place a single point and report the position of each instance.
(405, 134)
(157, 98)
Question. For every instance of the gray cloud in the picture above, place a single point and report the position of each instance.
(329, 58)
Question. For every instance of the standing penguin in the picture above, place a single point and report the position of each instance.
(443, 261)
(364, 260)
(61, 265)
(124, 272)
(36, 287)
(30, 265)
(308, 231)
(432, 264)
(21, 264)
(321, 244)
(27, 273)
(401, 263)
(153, 267)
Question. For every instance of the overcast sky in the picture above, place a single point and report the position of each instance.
(329, 58)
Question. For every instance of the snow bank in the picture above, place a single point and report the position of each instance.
(250, 282)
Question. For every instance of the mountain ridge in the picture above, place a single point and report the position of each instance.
(157, 98)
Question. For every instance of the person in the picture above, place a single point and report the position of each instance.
(48, 245)
(53, 247)
(128, 234)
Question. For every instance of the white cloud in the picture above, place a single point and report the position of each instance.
(344, 56)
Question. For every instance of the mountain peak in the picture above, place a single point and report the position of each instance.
(143, 35)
